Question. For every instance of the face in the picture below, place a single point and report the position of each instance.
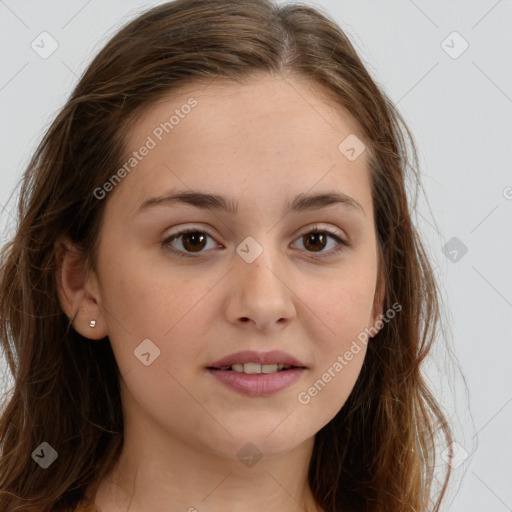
(258, 279)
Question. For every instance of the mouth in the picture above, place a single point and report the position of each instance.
(257, 374)
(253, 362)
(255, 368)
(257, 380)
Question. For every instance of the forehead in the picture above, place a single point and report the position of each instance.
(272, 130)
(266, 98)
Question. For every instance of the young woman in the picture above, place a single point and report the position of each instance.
(215, 298)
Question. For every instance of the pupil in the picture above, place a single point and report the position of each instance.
(195, 237)
(314, 237)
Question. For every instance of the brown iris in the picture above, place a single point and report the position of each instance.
(197, 241)
(313, 238)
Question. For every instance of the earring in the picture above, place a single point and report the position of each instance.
(92, 324)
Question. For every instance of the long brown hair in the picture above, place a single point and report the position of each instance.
(379, 452)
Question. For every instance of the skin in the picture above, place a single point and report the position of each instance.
(260, 144)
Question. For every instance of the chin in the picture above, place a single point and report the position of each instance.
(254, 442)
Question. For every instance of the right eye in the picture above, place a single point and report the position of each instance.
(193, 240)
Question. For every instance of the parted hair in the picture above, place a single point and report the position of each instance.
(379, 452)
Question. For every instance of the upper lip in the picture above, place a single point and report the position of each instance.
(249, 356)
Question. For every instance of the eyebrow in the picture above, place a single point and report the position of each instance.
(301, 203)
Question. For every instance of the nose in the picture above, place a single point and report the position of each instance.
(259, 293)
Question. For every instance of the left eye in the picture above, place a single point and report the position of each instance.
(194, 241)
(319, 237)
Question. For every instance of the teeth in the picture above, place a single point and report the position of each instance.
(268, 368)
(250, 368)
(254, 368)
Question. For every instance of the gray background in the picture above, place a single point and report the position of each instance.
(458, 106)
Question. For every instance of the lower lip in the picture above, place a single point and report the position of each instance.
(260, 384)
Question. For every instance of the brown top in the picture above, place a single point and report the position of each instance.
(84, 506)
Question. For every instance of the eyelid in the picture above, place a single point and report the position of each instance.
(189, 229)
(319, 226)
(335, 233)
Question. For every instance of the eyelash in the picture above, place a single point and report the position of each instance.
(342, 244)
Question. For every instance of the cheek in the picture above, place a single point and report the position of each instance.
(154, 304)
(342, 314)
(155, 393)
(343, 304)
(340, 352)
(139, 296)
(332, 384)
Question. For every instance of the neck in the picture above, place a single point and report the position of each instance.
(157, 470)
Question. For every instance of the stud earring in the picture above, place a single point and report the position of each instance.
(92, 324)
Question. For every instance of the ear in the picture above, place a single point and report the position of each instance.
(77, 289)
